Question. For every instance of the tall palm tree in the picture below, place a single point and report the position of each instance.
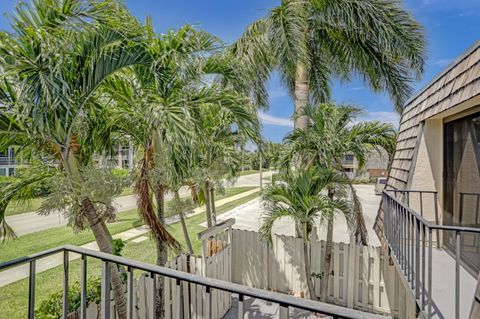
(311, 41)
(303, 197)
(158, 107)
(331, 134)
(217, 157)
(53, 62)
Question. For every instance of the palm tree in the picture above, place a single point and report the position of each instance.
(53, 62)
(216, 151)
(331, 134)
(310, 41)
(302, 197)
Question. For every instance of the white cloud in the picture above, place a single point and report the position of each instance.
(277, 93)
(274, 120)
(387, 117)
(443, 62)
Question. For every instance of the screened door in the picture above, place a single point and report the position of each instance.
(462, 184)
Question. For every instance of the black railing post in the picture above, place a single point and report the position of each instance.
(31, 290)
(208, 303)
(417, 259)
(130, 293)
(457, 274)
(430, 240)
(65, 283)
(283, 311)
(241, 312)
(424, 240)
(435, 205)
(105, 299)
(83, 288)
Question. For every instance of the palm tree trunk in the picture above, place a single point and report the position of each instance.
(301, 96)
(327, 261)
(212, 205)
(104, 242)
(307, 263)
(361, 233)
(184, 225)
(162, 251)
(207, 205)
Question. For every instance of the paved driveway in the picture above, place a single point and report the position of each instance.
(249, 217)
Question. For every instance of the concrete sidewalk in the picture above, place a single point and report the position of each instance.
(32, 222)
(17, 273)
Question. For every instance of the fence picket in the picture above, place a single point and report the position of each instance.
(359, 280)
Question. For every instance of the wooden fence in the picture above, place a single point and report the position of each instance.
(361, 276)
(191, 297)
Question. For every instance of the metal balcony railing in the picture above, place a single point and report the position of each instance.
(284, 301)
(411, 239)
(7, 161)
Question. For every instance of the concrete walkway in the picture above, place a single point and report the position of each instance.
(249, 217)
(17, 273)
(33, 222)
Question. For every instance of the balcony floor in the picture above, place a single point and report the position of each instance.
(443, 286)
(260, 309)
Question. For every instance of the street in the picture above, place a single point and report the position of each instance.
(32, 222)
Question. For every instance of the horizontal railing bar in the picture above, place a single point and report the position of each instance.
(210, 283)
(470, 194)
(26, 259)
(411, 191)
(428, 223)
(275, 297)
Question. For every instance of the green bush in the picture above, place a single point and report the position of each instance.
(51, 308)
(120, 173)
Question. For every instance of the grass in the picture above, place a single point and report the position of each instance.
(24, 207)
(53, 237)
(13, 303)
(33, 205)
(248, 172)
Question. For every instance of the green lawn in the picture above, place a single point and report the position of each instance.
(33, 205)
(15, 296)
(248, 172)
(53, 237)
(23, 207)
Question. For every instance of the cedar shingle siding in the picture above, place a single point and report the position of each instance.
(459, 82)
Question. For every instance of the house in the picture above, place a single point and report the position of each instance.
(429, 217)
(376, 165)
(7, 162)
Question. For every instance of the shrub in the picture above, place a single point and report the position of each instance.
(51, 308)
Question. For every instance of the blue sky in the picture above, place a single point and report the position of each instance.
(451, 27)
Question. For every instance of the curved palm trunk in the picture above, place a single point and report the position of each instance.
(327, 262)
(361, 233)
(308, 263)
(212, 205)
(104, 241)
(184, 226)
(207, 205)
(301, 96)
(162, 250)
